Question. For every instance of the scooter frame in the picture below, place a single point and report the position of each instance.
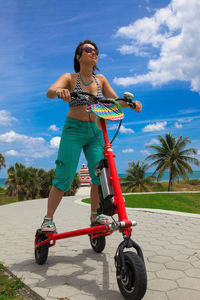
(123, 224)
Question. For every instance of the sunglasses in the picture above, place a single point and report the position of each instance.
(89, 50)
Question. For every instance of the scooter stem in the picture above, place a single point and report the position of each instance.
(114, 178)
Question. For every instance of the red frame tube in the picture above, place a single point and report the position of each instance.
(118, 197)
(103, 229)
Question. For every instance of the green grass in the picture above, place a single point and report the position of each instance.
(183, 202)
(9, 286)
(4, 199)
(2, 190)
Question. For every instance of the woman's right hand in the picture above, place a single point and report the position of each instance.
(63, 94)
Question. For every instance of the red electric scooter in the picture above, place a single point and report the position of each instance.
(130, 267)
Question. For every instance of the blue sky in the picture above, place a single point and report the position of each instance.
(150, 48)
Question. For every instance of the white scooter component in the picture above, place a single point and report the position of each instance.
(128, 96)
(98, 122)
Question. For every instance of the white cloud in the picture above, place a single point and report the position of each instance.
(158, 126)
(175, 32)
(186, 120)
(131, 49)
(12, 153)
(153, 141)
(55, 142)
(53, 128)
(126, 130)
(198, 152)
(129, 150)
(26, 146)
(122, 129)
(178, 125)
(5, 118)
(102, 55)
(12, 136)
(189, 111)
(145, 152)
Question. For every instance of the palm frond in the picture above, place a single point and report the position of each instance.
(192, 160)
(188, 151)
(185, 165)
(182, 171)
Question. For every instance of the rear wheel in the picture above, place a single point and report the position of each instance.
(133, 283)
(98, 244)
(41, 253)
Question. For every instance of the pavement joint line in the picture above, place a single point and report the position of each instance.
(156, 211)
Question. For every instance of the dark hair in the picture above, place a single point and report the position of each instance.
(79, 50)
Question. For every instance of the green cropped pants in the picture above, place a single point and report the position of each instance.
(77, 135)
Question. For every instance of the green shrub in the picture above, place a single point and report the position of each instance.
(2, 190)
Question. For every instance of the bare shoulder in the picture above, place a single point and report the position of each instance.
(64, 81)
(101, 77)
(72, 75)
(68, 76)
(69, 79)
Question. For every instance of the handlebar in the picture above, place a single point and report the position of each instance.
(127, 98)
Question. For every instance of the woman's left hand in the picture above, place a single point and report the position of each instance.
(138, 106)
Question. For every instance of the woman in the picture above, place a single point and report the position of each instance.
(77, 132)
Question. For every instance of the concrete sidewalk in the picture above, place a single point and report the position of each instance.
(170, 243)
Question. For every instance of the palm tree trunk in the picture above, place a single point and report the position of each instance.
(170, 180)
(20, 195)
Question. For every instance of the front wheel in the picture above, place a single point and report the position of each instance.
(41, 253)
(133, 283)
(98, 244)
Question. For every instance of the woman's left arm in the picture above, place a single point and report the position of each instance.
(108, 92)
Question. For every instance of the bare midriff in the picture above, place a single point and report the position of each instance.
(79, 113)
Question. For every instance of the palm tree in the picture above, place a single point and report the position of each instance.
(135, 177)
(2, 161)
(17, 181)
(172, 156)
(45, 181)
(32, 183)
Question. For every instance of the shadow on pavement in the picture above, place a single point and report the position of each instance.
(88, 272)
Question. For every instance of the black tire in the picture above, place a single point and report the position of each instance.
(41, 253)
(98, 244)
(133, 285)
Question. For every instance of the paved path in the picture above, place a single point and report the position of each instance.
(171, 246)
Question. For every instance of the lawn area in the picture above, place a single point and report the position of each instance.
(183, 202)
(8, 285)
(4, 199)
(12, 287)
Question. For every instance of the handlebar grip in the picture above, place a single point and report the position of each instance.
(128, 100)
(131, 104)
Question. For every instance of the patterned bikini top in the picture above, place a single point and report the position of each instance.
(84, 100)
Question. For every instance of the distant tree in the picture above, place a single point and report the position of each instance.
(17, 181)
(135, 179)
(45, 181)
(29, 183)
(74, 186)
(171, 155)
(2, 161)
(32, 183)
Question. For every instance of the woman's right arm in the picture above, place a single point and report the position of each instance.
(60, 88)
